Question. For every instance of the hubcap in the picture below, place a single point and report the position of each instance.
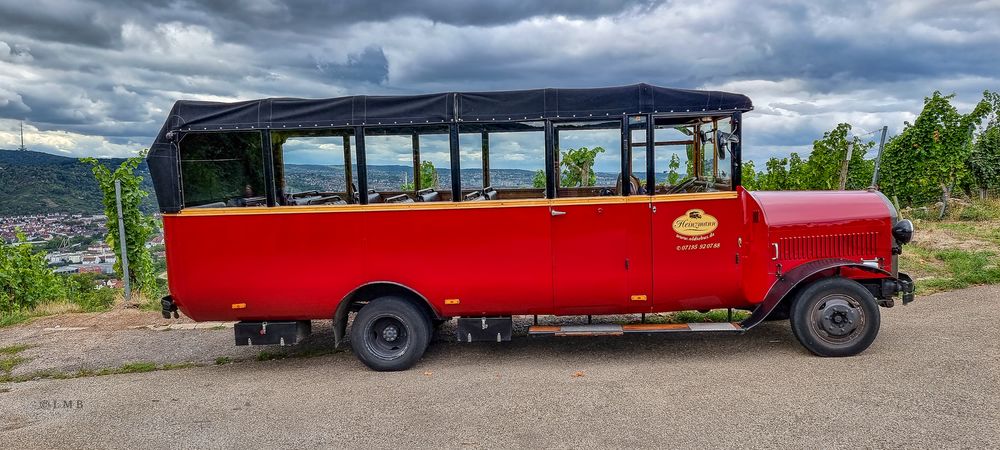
(838, 319)
(390, 333)
(387, 337)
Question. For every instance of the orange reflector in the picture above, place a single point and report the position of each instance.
(638, 298)
(451, 301)
(239, 305)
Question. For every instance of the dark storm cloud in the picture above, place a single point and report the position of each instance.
(80, 70)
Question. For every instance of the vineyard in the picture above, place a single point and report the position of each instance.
(943, 154)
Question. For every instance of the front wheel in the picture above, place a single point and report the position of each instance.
(390, 333)
(835, 317)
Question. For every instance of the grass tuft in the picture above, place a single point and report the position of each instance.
(222, 360)
(715, 315)
(137, 367)
(265, 355)
(14, 349)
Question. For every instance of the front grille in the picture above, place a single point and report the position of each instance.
(828, 245)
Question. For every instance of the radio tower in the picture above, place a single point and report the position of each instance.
(22, 148)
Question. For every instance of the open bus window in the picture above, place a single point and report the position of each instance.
(673, 160)
(315, 167)
(222, 169)
(714, 170)
(392, 153)
(588, 159)
(503, 161)
(686, 157)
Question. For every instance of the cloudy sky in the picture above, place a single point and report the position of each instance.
(96, 77)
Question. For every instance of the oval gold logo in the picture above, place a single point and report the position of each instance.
(695, 222)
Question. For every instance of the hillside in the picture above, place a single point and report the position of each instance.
(38, 183)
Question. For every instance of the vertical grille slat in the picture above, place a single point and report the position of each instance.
(828, 245)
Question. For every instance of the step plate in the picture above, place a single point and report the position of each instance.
(618, 330)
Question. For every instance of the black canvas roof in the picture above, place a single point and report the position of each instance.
(371, 110)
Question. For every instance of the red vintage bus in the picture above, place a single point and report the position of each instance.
(408, 211)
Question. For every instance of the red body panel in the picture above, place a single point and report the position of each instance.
(605, 255)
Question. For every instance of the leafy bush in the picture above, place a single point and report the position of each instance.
(82, 290)
(980, 210)
(25, 277)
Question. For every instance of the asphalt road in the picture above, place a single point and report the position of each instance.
(930, 380)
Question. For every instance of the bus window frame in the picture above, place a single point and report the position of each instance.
(265, 159)
(329, 132)
(482, 128)
(735, 148)
(552, 169)
(549, 129)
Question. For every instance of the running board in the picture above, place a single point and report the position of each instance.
(618, 330)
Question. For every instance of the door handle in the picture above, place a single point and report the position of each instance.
(775, 257)
(557, 212)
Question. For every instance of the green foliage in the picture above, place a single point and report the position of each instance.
(984, 162)
(25, 277)
(139, 228)
(538, 181)
(821, 171)
(577, 166)
(428, 177)
(750, 181)
(965, 268)
(930, 155)
(775, 175)
(672, 175)
(82, 289)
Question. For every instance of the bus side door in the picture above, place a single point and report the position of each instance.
(696, 239)
(589, 252)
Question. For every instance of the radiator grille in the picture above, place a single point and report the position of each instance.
(828, 245)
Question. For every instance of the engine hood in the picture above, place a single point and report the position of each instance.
(822, 207)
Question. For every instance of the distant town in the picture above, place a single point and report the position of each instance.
(74, 243)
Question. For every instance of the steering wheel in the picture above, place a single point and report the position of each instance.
(681, 187)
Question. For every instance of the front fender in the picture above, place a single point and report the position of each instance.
(796, 277)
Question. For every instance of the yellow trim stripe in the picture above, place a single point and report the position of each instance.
(694, 196)
(253, 210)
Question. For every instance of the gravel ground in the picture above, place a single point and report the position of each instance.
(932, 379)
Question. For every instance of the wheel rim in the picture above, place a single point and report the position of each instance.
(387, 337)
(838, 319)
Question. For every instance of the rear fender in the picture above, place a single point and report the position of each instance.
(796, 277)
(370, 291)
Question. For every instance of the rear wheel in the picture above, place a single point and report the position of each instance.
(390, 333)
(835, 317)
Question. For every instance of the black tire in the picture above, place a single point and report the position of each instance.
(835, 317)
(390, 333)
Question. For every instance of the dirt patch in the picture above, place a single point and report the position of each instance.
(934, 237)
(116, 319)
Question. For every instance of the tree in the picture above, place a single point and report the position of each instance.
(821, 170)
(929, 158)
(672, 176)
(428, 177)
(25, 277)
(984, 162)
(775, 175)
(749, 173)
(577, 167)
(139, 228)
(538, 181)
